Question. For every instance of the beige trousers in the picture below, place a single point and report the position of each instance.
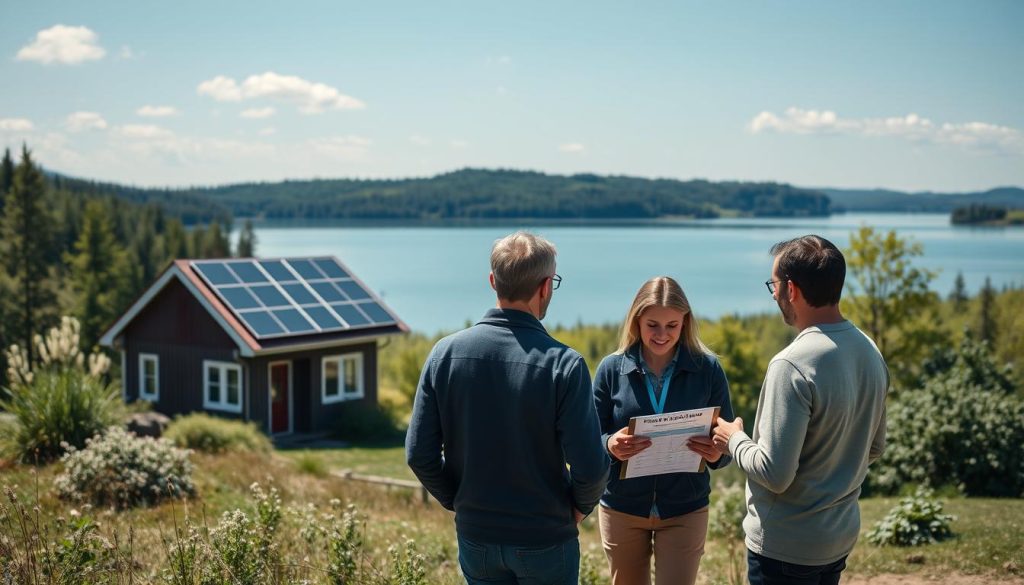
(677, 544)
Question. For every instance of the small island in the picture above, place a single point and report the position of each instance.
(987, 215)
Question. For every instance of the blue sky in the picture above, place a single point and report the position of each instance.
(908, 95)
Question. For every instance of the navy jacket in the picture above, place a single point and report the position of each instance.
(620, 394)
(501, 408)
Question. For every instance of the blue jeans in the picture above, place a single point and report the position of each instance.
(764, 571)
(490, 564)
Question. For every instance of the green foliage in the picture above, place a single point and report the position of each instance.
(978, 213)
(987, 327)
(402, 360)
(246, 241)
(973, 363)
(28, 252)
(345, 547)
(591, 572)
(725, 524)
(100, 273)
(915, 521)
(890, 300)
(57, 408)
(953, 431)
(211, 434)
(74, 553)
(121, 470)
(243, 545)
(364, 421)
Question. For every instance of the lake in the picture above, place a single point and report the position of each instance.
(435, 278)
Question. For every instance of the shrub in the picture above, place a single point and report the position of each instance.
(916, 520)
(725, 523)
(121, 470)
(365, 421)
(209, 434)
(56, 408)
(957, 433)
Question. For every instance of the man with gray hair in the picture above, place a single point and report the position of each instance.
(501, 409)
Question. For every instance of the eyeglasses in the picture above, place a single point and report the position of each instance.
(771, 284)
(556, 281)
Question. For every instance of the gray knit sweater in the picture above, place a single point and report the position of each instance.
(820, 422)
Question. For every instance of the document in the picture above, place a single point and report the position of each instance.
(668, 433)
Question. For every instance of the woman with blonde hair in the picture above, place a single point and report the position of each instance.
(661, 366)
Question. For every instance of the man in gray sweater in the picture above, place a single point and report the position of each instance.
(820, 422)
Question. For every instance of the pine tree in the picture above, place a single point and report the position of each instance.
(987, 328)
(27, 232)
(100, 274)
(6, 176)
(246, 241)
(213, 242)
(958, 296)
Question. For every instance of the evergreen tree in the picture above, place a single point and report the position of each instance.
(247, 241)
(987, 328)
(213, 242)
(27, 232)
(6, 176)
(958, 296)
(100, 274)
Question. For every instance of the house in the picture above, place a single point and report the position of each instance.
(284, 342)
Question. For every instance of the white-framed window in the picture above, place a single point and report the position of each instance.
(341, 378)
(222, 386)
(149, 377)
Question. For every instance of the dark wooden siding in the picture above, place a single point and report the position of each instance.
(177, 328)
(309, 413)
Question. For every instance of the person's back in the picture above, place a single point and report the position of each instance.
(500, 411)
(505, 405)
(837, 373)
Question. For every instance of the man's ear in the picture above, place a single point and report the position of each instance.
(490, 277)
(793, 291)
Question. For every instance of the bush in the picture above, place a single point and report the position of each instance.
(210, 434)
(952, 432)
(121, 470)
(57, 408)
(365, 421)
(916, 520)
(725, 523)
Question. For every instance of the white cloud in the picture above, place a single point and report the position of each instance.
(157, 111)
(15, 125)
(220, 88)
(419, 140)
(80, 121)
(310, 97)
(144, 131)
(341, 147)
(977, 135)
(269, 131)
(459, 143)
(127, 54)
(68, 45)
(573, 147)
(257, 113)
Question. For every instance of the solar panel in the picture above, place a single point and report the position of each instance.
(293, 296)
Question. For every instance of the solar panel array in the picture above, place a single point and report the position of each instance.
(293, 296)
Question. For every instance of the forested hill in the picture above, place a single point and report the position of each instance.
(515, 194)
(887, 200)
(191, 206)
(477, 194)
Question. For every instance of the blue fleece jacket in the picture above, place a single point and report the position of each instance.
(620, 394)
(501, 409)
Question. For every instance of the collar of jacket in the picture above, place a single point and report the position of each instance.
(631, 360)
(511, 318)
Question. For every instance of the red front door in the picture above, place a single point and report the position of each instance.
(280, 399)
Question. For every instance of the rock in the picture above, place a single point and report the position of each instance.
(147, 424)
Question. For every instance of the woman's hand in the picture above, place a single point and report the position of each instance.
(704, 447)
(623, 445)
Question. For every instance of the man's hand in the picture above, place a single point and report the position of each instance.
(623, 445)
(704, 447)
(723, 431)
(579, 515)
